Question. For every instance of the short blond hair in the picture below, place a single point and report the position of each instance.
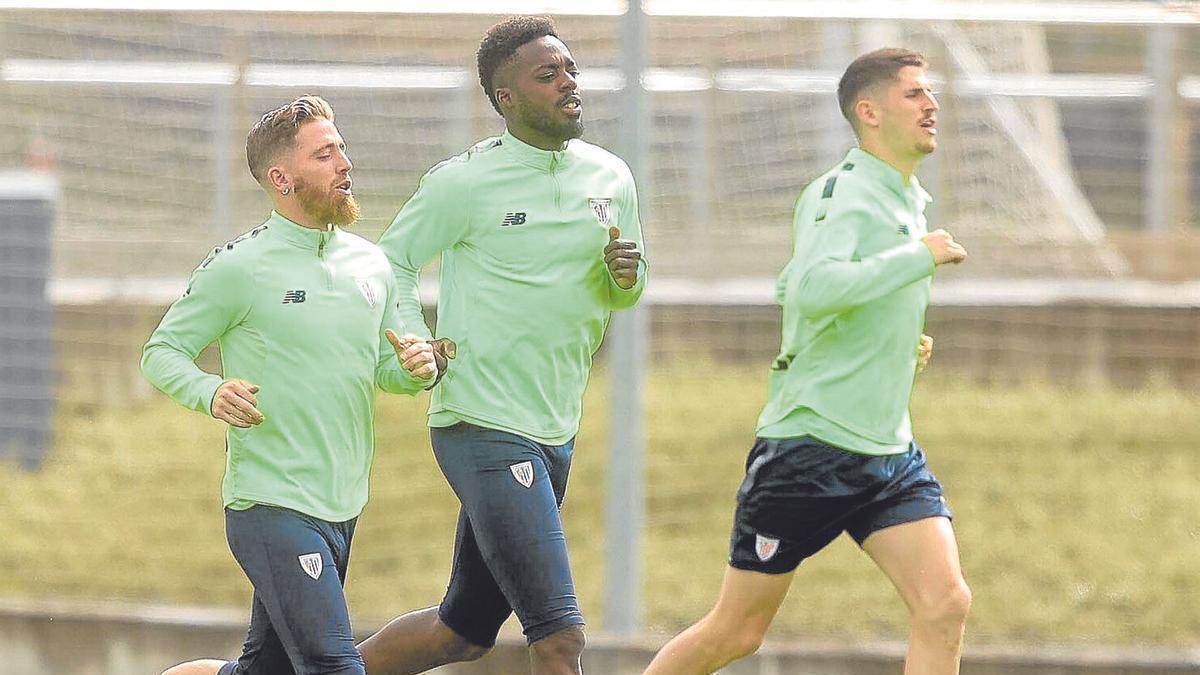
(276, 130)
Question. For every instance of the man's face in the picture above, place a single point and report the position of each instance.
(321, 174)
(908, 113)
(539, 93)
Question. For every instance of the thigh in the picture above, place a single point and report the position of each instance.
(504, 483)
(474, 606)
(919, 557)
(750, 600)
(293, 563)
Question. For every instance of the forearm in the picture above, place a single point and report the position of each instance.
(408, 302)
(832, 286)
(175, 374)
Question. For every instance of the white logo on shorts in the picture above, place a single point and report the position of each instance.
(312, 564)
(765, 547)
(523, 472)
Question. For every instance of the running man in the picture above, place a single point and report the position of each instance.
(834, 450)
(304, 313)
(529, 227)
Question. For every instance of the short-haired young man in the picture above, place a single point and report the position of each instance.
(528, 225)
(834, 450)
(304, 313)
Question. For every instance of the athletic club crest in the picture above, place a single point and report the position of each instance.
(765, 547)
(368, 290)
(311, 564)
(523, 472)
(600, 209)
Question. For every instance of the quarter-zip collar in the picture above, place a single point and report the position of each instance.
(886, 174)
(542, 160)
(295, 233)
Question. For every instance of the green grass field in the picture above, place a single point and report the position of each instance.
(1077, 511)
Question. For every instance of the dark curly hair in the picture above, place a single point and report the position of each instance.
(503, 40)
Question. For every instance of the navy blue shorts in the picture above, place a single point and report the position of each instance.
(510, 553)
(799, 494)
(299, 624)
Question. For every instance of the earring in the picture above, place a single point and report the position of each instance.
(285, 190)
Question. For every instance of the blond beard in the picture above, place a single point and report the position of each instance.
(327, 207)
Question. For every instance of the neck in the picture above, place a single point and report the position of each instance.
(903, 162)
(290, 209)
(537, 140)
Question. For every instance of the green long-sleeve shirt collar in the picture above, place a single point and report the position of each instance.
(295, 233)
(885, 173)
(542, 160)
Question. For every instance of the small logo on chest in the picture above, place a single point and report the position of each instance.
(368, 290)
(515, 218)
(903, 229)
(293, 297)
(601, 208)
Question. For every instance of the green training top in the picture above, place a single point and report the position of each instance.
(854, 297)
(525, 293)
(301, 313)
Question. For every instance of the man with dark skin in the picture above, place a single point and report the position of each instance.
(529, 227)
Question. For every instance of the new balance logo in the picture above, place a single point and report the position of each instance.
(903, 229)
(517, 218)
(293, 297)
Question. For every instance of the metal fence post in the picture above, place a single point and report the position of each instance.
(627, 338)
(1160, 61)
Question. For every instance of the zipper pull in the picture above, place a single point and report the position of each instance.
(321, 245)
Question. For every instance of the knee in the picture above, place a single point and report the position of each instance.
(947, 610)
(564, 646)
(457, 649)
(733, 639)
(744, 641)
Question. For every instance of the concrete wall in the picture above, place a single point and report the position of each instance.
(70, 638)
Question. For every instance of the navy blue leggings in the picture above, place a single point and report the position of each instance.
(299, 624)
(510, 553)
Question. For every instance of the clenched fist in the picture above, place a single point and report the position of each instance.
(234, 403)
(622, 256)
(415, 354)
(944, 248)
(924, 352)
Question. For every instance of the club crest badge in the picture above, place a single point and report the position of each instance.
(765, 547)
(311, 564)
(523, 472)
(601, 209)
(368, 290)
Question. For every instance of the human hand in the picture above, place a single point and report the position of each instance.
(414, 354)
(622, 257)
(944, 248)
(444, 349)
(924, 352)
(234, 403)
